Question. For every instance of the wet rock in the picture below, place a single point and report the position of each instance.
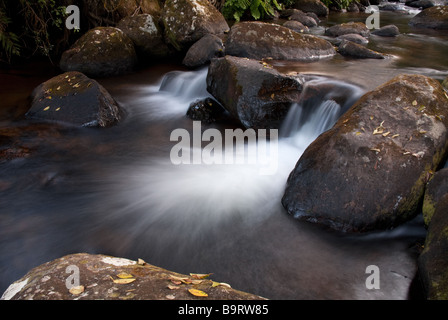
(207, 110)
(445, 83)
(424, 4)
(258, 40)
(187, 21)
(434, 18)
(74, 98)
(295, 26)
(113, 11)
(315, 6)
(386, 31)
(111, 278)
(370, 170)
(433, 261)
(348, 28)
(303, 18)
(208, 47)
(252, 91)
(103, 51)
(352, 49)
(356, 38)
(436, 188)
(146, 35)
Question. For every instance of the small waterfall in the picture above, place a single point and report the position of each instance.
(322, 102)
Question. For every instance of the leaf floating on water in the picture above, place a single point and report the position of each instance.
(198, 293)
(200, 275)
(76, 290)
(124, 275)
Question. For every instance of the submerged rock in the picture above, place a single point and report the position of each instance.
(252, 91)
(370, 170)
(434, 18)
(352, 49)
(111, 278)
(207, 110)
(386, 31)
(74, 98)
(187, 21)
(433, 261)
(103, 51)
(258, 40)
(146, 35)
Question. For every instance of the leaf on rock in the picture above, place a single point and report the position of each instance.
(76, 290)
(124, 275)
(124, 281)
(200, 275)
(198, 293)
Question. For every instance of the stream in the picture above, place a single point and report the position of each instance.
(115, 191)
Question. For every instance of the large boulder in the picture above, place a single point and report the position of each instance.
(434, 18)
(100, 12)
(437, 187)
(433, 261)
(352, 49)
(187, 21)
(348, 28)
(85, 276)
(74, 98)
(102, 51)
(252, 91)
(370, 170)
(258, 40)
(146, 34)
(315, 6)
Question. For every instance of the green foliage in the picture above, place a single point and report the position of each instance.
(342, 4)
(258, 9)
(30, 27)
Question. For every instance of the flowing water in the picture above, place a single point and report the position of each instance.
(115, 191)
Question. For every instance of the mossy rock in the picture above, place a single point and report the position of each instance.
(433, 261)
(259, 40)
(348, 28)
(100, 52)
(187, 21)
(370, 170)
(436, 188)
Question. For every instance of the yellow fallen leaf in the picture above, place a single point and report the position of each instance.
(358, 133)
(200, 275)
(215, 284)
(171, 287)
(196, 281)
(58, 88)
(198, 293)
(124, 275)
(414, 103)
(76, 290)
(386, 134)
(58, 108)
(124, 281)
(47, 108)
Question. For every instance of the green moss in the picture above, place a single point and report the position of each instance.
(428, 209)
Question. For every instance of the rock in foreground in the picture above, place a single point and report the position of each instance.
(258, 40)
(252, 91)
(74, 98)
(369, 171)
(110, 278)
